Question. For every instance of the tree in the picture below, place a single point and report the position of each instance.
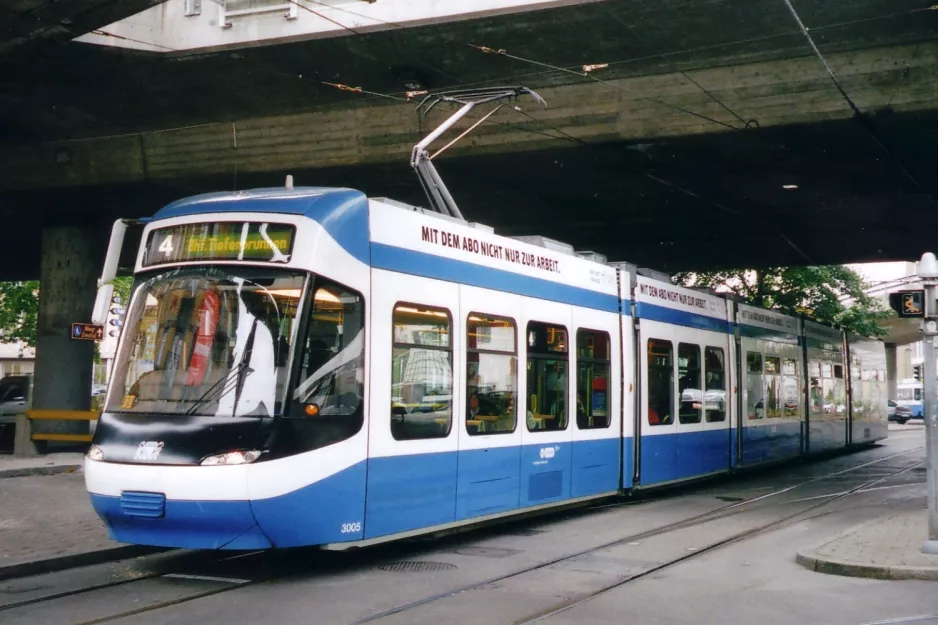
(817, 292)
(122, 286)
(19, 311)
(19, 308)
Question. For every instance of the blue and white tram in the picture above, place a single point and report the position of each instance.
(684, 348)
(827, 387)
(310, 366)
(868, 389)
(773, 422)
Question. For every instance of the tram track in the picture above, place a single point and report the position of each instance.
(177, 570)
(193, 571)
(721, 513)
(748, 534)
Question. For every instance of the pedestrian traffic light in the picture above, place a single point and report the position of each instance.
(908, 303)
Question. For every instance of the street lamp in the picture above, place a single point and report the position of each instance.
(927, 272)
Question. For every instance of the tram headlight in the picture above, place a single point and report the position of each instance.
(95, 453)
(232, 457)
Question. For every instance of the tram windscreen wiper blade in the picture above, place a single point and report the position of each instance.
(230, 383)
(237, 375)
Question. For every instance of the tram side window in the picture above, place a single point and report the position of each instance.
(688, 381)
(773, 370)
(715, 376)
(839, 397)
(331, 378)
(860, 394)
(492, 375)
(592, 379)
(660, 382)
(755, 393)
(548, 353)
(816, 392)
(827, 388)
(791, 395)
(421, 373)
(878, 401)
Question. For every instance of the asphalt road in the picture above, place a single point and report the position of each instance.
(722, 552)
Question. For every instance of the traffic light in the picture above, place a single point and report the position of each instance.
(112, 327)
(908, 303)
(917, 372)
(114, 316)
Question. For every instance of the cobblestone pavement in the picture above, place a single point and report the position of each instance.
(45, 517)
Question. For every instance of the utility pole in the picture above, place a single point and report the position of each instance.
(927, 271)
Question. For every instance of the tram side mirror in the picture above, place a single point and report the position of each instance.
(102, 304)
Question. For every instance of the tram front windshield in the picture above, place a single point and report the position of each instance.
(208, 342)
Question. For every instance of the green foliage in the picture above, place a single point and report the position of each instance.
(19, 311)
(813, 291)
(122, 288)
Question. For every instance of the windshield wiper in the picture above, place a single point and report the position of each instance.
(237, 375)
(213, 390)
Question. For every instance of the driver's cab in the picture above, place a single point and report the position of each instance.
(14, 396)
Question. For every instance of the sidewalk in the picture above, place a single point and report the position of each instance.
(886, 548)
(50, 464)
(46, 519)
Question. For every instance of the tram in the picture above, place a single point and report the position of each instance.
(909, 394)
(312, 366)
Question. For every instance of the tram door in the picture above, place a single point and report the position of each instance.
(491, 416)
(548, 403)
(416, 336)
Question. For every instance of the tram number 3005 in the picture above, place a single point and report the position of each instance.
(349, 528)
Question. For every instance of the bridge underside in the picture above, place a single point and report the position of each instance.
(649, 161)
(700, 202)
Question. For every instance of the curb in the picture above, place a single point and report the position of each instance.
(46, 470)
(53, 565)
(871, 571)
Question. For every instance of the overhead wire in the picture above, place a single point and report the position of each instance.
(361, 34)
(522, 75)
(683, 190)
(659, 180)
(858, 115)
(645, 43)
(588, 75)
(632, 59)
(553, 68)
(104, 33)
(895, 90)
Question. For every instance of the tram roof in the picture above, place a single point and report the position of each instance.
(312, 202)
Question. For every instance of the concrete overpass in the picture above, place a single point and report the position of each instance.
(686, 141)
(710, 134)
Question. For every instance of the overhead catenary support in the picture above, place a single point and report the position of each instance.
(433, 185)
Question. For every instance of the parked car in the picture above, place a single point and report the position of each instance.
(14, 396)
(899, 414)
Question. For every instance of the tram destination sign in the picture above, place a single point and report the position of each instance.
(229, 240)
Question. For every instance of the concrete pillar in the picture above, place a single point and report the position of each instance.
(891, 367)
(22, 443)
(67, 285)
